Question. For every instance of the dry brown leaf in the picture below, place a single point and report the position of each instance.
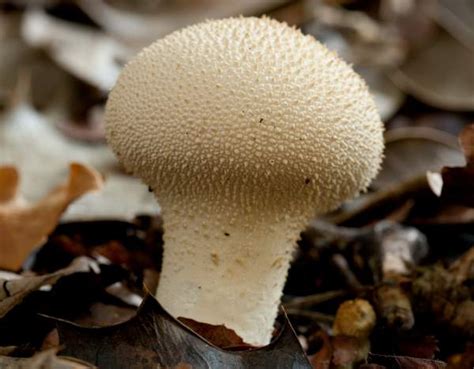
(440, 74)
(15, 290)
(86, 53)
(42, 360)
(24, 226)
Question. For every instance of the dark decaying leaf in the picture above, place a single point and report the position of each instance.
(154, 339)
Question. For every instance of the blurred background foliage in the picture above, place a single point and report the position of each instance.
(59, 59)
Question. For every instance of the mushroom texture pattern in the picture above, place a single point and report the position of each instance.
(245, 129)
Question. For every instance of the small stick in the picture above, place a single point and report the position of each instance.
(311, 300)
(313, 315)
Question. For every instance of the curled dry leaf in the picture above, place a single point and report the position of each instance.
(24, 226)
(42, 360)
(15, 290)
(440, 74)
(86, 53)
(412, 151)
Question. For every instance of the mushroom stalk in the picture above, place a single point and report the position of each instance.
(229, 268)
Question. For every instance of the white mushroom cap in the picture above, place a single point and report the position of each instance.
(245, 129)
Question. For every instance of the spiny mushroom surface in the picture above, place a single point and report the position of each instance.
(245, 129)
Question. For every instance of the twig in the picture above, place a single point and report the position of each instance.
(351, 280)
(311, 300)
(313, 315)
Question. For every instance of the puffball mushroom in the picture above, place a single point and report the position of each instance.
(245, 129)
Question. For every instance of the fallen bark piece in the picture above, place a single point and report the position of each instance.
(24, 226)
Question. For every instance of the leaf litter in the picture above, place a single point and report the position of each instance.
(402, 249)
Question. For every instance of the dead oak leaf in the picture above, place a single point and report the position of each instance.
(24, 226)
(153, 338)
